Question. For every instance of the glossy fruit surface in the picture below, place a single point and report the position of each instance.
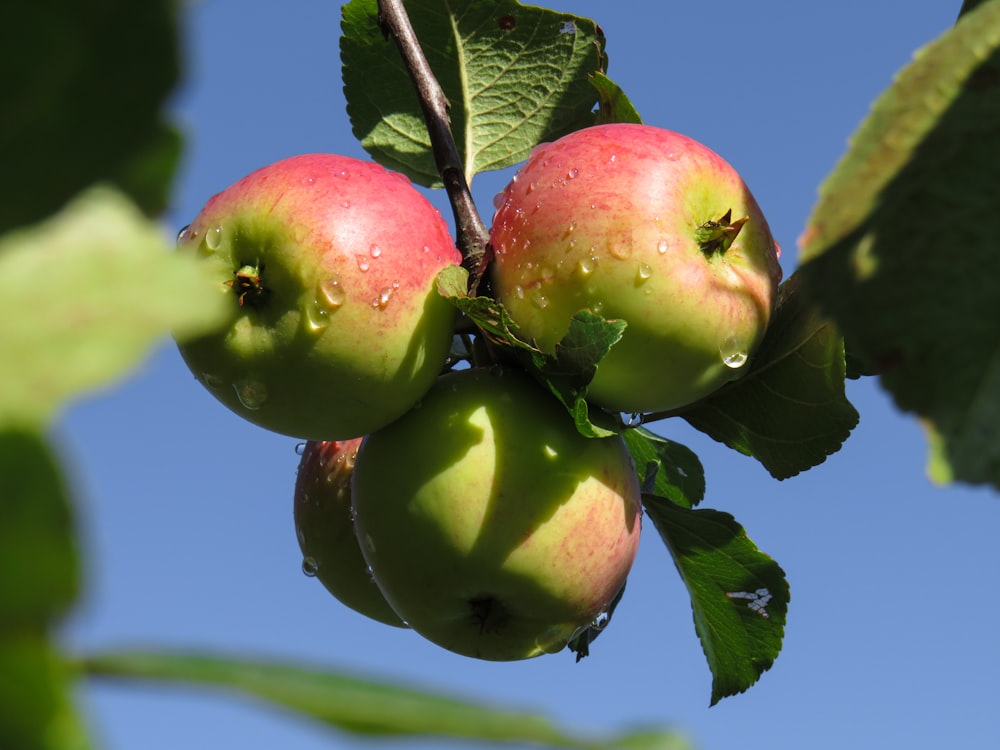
(491, 525)
(324, 526)
(329, 265)
(638, 223)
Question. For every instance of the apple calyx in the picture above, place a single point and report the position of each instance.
(716, 237)
(250, 292)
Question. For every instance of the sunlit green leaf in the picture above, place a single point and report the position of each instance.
(614, 105)
(83, 297)
(739, 595)
(360, 705)
(901, 251)
(514, 75)
(679, 475)
(790, 411)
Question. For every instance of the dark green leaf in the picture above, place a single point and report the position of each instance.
(614, 105)
(83, 90)
(901, 250)
(789, 411)
(101, 288)
(39, 573)
(36, 712)
(739, 595)
(355, 704)
(679, 476)
(515, 75)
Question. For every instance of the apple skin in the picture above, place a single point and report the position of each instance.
(324, 526)
(329, 263)
(606, 219)
(491, 525)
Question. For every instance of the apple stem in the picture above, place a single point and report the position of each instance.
(716, 237)
(471, 234)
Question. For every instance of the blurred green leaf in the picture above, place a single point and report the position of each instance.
(515, 75)
(83, 89)
(789, 411)
(359, 705)
(679, 477)
(36, 712)
(901, 253)
(739, 595)
(83, 297)
(39, 573)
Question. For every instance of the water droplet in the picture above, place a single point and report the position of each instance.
(540, 301)
(212, 381)
(531, 186)
(363, 263)
(573, 173)
(644, 272)
(622, 252)
(251, 393)
(498, 200)
(310, 567)
(734, 354)
(519, 291)
(633, 420)
(382, 300)
(587, 265)
(375, 250)
(343, 174)
(330, 294)
(614, 158)
(597, 307)
(300, 448)
(213, 238)
(426, 249)
(183, 234)
(662, 246)
(345, 203)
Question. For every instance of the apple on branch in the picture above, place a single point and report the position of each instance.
(329, 265)
(642, 224)
(492, 527)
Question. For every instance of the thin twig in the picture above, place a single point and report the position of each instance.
(471, 234)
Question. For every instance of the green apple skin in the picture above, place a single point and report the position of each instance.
(329, 265)
(493, 528)
(606, 219)
(324, 526)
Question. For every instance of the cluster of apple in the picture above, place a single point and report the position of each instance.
(462, 501)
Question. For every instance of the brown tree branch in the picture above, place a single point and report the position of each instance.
(471, 235)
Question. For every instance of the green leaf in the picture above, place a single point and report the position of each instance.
(679, 476)
(355, 704)
(514, 75)
(614, 105)
(789, 411)
(739, 595)
(75, 113)
(36, 711)
(39, 569)
(901, 252)
(83, 297)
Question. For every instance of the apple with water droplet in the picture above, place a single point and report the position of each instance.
(645, 225)
(328, 263)
(324, 526)
(492, 527)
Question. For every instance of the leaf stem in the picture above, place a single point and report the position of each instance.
(471, 234)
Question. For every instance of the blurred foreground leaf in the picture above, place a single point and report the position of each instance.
(514, 75)
(790, 411)
(83, 88)
(901, 250)
(739, 595)
(83, 297)
(359, 705)
(39, 580)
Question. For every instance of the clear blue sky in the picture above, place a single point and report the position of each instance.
(186, 510)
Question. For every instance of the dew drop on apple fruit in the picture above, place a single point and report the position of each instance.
(300, 448)
(363, 263)
(213, 238)
(309, 566)
(587, 265)
(330, 294)
(374, 250)
(212, 380)
(734, 354)
(540, 301)
(573, 173)
(183, 234)
(251, 393)
(621, 252)
(662, 246)
(643, 274)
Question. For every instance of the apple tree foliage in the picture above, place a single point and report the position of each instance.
(897, 261)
